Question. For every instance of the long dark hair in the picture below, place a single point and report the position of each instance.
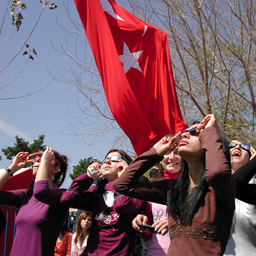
(60, 176)
(183, 204)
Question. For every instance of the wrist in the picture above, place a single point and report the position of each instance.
(9, 171)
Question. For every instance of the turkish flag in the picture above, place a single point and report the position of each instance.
(134, 63)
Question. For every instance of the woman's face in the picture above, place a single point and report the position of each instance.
(109, 168)
(86, 223)
(239, 156)
(171, 162)
(190, 146)
(36, 165)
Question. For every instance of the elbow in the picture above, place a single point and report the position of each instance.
(120, 188)
(39, 195)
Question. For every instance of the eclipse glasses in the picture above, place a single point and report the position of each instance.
(37, 155)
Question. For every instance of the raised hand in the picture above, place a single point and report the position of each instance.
(19, 161)
(165, 145)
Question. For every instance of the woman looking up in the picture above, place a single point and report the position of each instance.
(37, 224)
(242, 241)
(201, 201)
(112, 213)
(156, 214)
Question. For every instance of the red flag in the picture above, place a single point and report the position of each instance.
(134, 63)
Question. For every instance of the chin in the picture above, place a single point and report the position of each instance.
(172, 171)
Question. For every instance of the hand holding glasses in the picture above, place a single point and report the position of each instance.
(37, 155)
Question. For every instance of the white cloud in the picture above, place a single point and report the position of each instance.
(12, 131)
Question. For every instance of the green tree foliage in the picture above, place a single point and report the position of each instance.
(22, 145)
(80, 168)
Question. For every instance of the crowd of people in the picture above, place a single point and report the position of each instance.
(200, 199)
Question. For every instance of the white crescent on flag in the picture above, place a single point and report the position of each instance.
(107, 7)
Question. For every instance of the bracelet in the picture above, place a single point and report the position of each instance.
(9, 171)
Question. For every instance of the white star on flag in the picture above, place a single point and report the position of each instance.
(129, 59)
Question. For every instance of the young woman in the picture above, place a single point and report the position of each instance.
(80, 237)
(112, 213)
(201, 201)
(37, 224)
(157, 213)
(242, 239)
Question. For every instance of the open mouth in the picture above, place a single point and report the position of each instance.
(236, 153)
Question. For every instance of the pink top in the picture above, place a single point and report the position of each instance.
(159, 244)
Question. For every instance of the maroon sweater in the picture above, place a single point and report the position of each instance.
(211, 224)
(111, 232)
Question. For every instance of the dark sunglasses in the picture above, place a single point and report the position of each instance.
(32, 157)
(191, 130)
(115, 158)
(243, 146)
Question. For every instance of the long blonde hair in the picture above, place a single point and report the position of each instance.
(79, 231)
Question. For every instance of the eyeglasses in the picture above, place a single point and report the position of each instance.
(243, 146)
(191, 130)
(115, 158)
(32, 157)
(37, 155)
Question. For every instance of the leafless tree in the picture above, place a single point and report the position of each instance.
(212, 48)
(11, 19)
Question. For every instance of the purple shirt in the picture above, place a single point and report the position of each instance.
(37, 224)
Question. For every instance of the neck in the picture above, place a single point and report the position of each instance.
(85, 233)
(195, 172)
(51, 184)
(234, 167)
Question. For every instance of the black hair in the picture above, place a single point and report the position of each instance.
(124, 155)
(183, 204)
(29, 190)
(60, 176)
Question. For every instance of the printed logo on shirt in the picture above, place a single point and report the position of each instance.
(107, 219)
(158, 215)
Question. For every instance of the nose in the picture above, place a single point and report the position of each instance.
(237, 146)
(172, 156)
(108, 161)
(38, 159)
(185, 135)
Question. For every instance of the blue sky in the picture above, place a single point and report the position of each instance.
(50, 111)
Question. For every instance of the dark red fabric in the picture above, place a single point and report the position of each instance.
(142, 98)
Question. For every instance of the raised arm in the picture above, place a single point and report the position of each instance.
(128, 183)
(18, 162)
(218, 172)
(245, 173)
(244, 191)
(43, 187)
